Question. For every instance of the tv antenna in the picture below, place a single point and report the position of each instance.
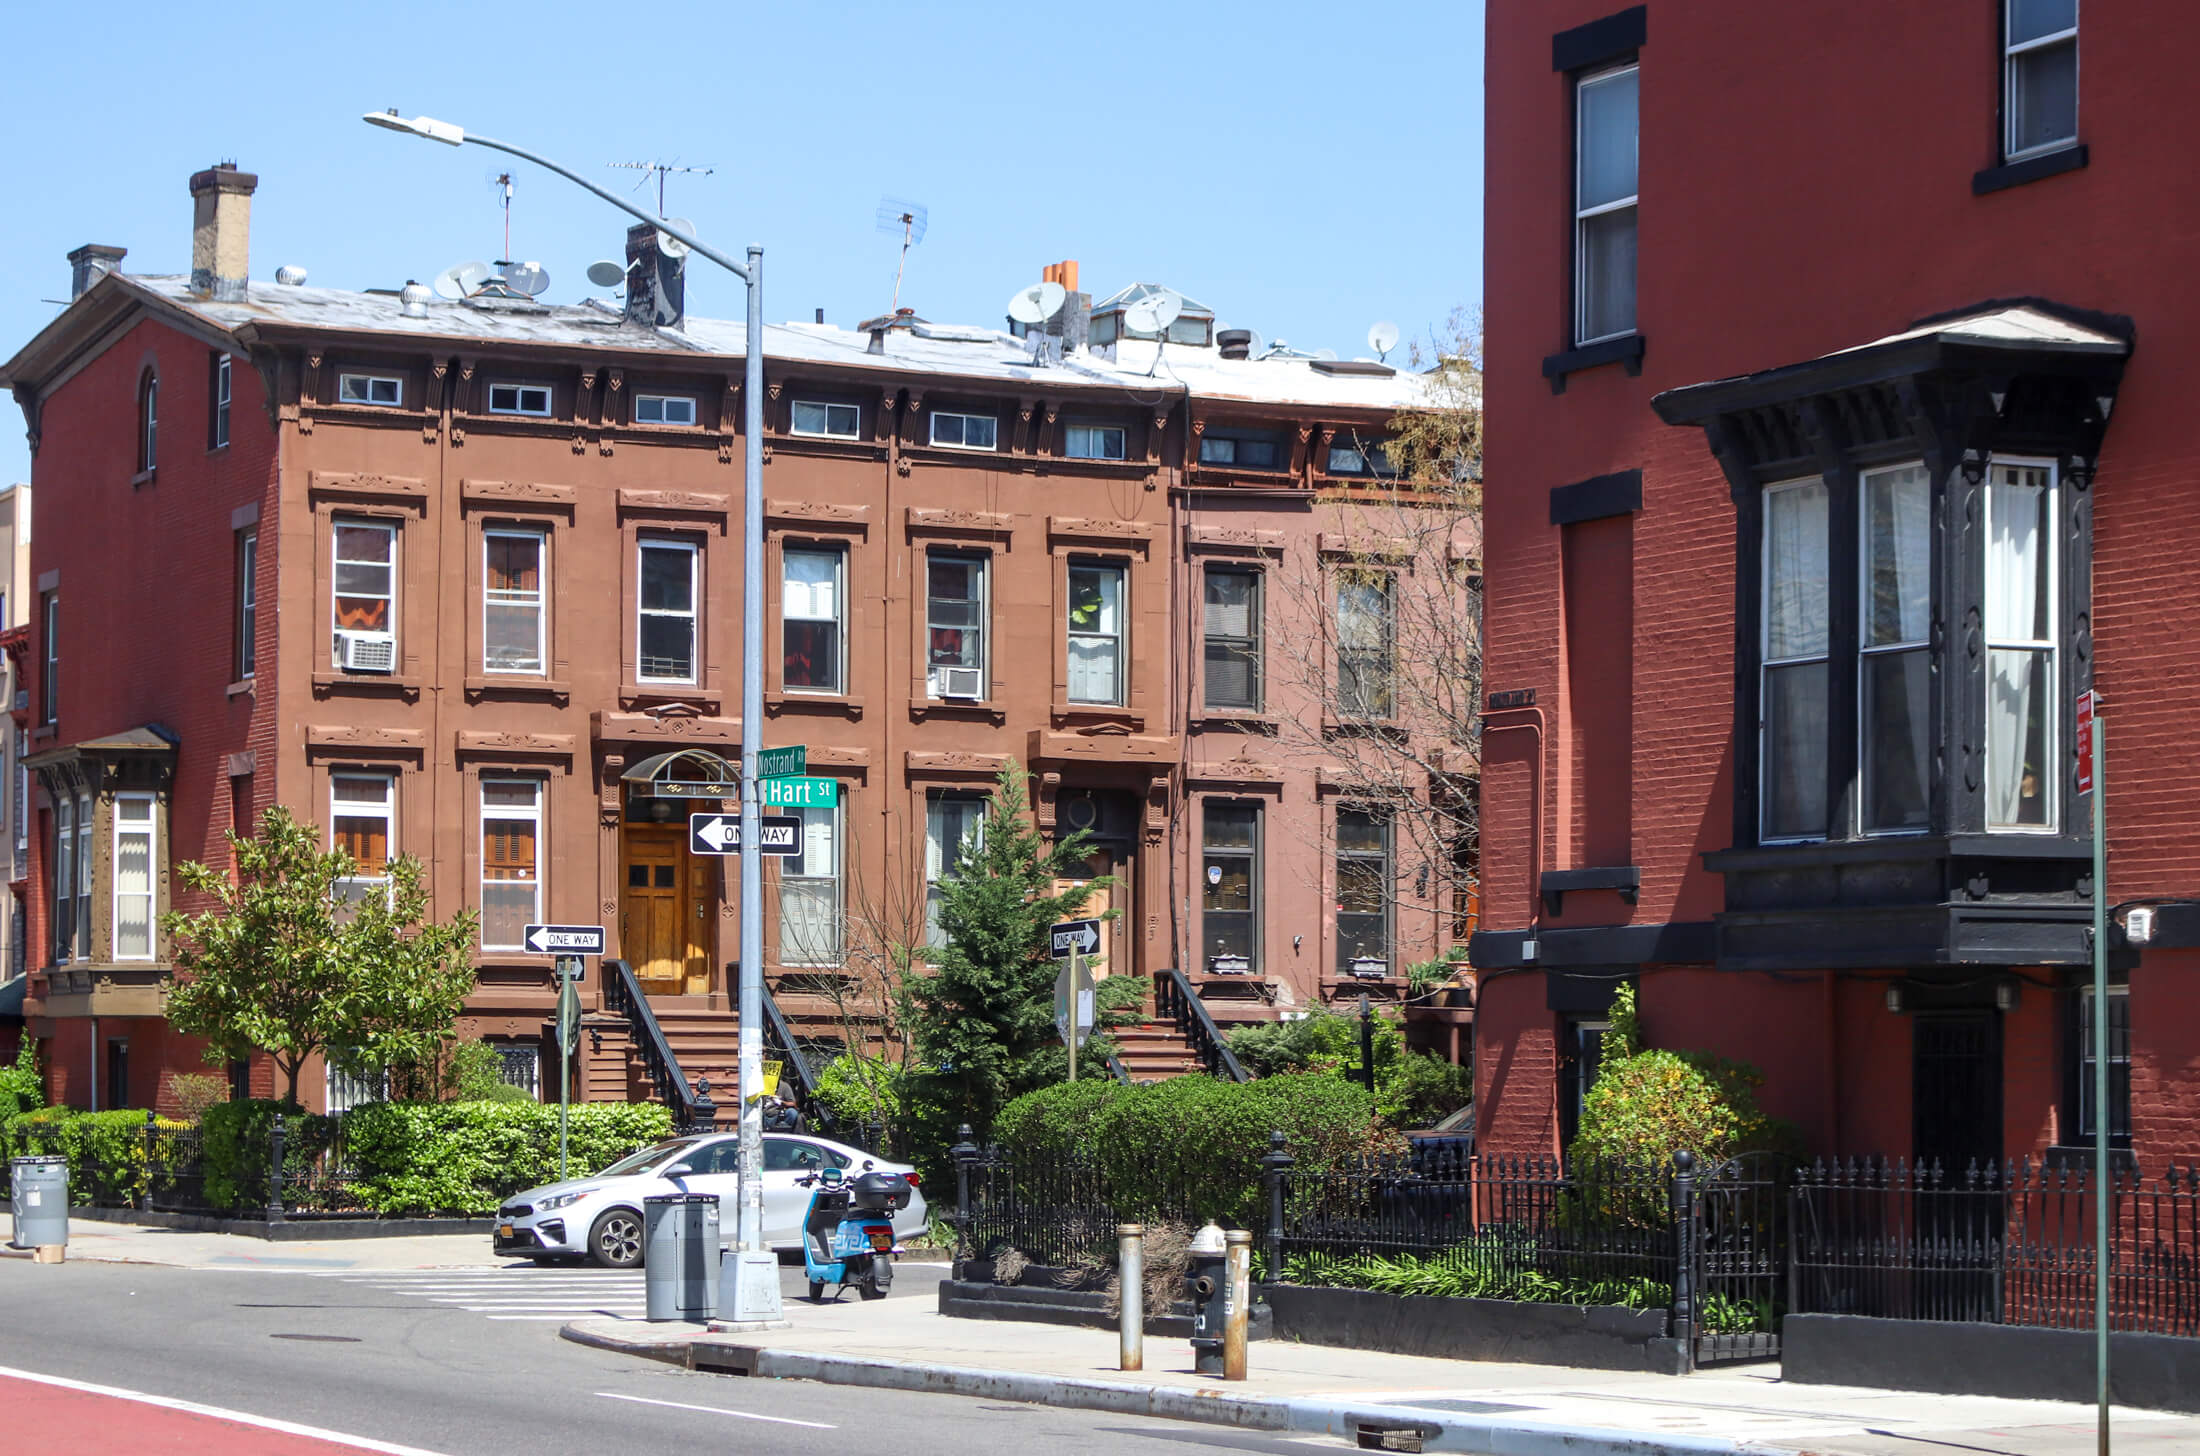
(502, 181)
(658, 171)
(898, 215)
(1383, 338)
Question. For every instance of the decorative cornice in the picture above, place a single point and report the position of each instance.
(359, 738)
(968, 523)
(488, 744)
(366, 486)
(665, 727)
(1087, 529)
(682, 502)
(955, 761)
(1373, 548)
(1233, 771)
(820, 512)
(515, 492)
(1241, 539)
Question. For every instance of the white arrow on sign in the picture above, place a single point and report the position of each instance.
(571, 939)
(1080, 936)
(717, 831)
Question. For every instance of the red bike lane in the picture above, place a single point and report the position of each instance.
(46, 1416)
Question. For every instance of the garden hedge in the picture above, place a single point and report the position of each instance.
(106, 1150)
(467, 1157)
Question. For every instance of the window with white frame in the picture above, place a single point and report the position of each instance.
(2021, 630)
(1232, 675)
(135, 816)
(511, 860)
(218, 401)
(665, 617)
(951, 822)
(662, 409)
(827, 418)
(955, 625)
(364, 603)
(386, 389)
(21, 807)
(363, 822)
(519, 399)
(1093, 442)
(809, 893)
(148, 422)
(964, 432)
(64, 879)
(1605, 197)
(84, 824)
(1796, 642)
(248, 602)
(1894, 664)
(2040, 76)
(49, 680)
(513, 598)
(1245, 449)
(1365, 644)
(1095, 633)
(812, 632)
(1363, 893)
(1229, 904)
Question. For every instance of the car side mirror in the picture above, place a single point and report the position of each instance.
(679, 1170)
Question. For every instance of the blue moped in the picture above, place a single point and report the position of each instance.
(848, 1233)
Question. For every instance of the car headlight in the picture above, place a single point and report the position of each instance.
(560, 1200)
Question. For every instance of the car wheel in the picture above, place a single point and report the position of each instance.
(616, 1240)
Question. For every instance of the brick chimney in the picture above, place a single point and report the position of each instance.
(656, 283)
(221, 231)
(90, 263)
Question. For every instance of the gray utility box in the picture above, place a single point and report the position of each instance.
(39, 1188)
(680, 1256)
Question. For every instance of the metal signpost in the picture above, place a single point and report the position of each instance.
(2093, 780)
(721, 834)
(571, 943)
(1074, 939)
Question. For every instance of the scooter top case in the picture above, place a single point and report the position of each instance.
(879, 1192)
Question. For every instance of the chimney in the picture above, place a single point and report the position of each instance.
(656, 283)
(90, 263)
(221, 231)
(1072, 322)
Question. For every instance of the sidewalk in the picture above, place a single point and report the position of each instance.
(1512, 1410)
(126, 1243)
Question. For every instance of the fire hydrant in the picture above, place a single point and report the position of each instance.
(1208, 1285)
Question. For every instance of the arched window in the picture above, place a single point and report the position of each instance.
(148, 421)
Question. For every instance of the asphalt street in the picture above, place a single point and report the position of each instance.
(406, 1367)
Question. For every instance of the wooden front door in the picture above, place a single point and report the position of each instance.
(664, 911)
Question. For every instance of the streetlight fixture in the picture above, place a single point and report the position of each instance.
(753, 1297)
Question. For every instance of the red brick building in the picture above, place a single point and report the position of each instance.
(1815, 337)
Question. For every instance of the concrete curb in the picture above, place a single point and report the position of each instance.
(1437, 1430)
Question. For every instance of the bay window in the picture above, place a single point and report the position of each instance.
(133, 877)
(64, 879)
(1795, 648)
(2021, 695)
(1895, 669)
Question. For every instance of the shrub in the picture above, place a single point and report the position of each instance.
(107, 1151)
(194, 1092)
(236, 1147)
(1057, 1119)
(1425, 1089)
(856, 1089)
(21, 1088)
(1411, 1088)
(467, 1157)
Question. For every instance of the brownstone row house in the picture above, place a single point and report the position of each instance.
(460, 579)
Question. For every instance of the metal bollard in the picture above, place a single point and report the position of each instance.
(1131, 1261)
(1238, 1265)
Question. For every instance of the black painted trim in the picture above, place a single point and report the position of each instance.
(1617, 494)
(1626, 351)
(1684, 942)
(2176, 927)
(2031, 169)
(1627, 879)
(1582, 993)
(1609, 39)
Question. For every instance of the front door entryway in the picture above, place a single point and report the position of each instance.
(1111, 819)
(1955, 1089)
(666, 906)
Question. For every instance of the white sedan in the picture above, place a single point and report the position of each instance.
(601, 1216)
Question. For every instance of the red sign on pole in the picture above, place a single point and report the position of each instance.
(2085, 742)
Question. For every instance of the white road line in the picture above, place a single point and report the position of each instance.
(567, 1316)
(718, 1411)
(242, 1418)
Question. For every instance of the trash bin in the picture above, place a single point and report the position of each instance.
(39, 1186)
(680, 1256)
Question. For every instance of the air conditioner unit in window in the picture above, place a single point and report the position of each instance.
(366, 651)
(961, 682)
(1370, 968)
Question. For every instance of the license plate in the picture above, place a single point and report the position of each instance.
(882, 1239)
(504, 1230)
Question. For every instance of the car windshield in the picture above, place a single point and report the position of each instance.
(647, 1158)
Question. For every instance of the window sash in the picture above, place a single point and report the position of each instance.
(248, 596)
(50, 684)
(1365, 646)
(1093, 442)
(363, 820)
(1606, 193)
(1232, 638)
(222, 397)
(519, 399)
(64, 879)
(1794, 644)
(813, 642)
(950, 821)
(809, 893)
(363, 588)
(665, 632)
(149, 422)
(382, 389)
(1894, 739)
(965, 432)
(664, 409)
(1230, 882)
(1363, 883)
(2119, 1065)
(2022, 620)
(1095, 626)
(826, 419)
(511, 860)
(2022, 57)
(136, 819)
(513, 615)
(1243, 451)
(955, 619)
(84, 827)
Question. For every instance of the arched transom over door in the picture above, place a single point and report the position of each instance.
(669, 898)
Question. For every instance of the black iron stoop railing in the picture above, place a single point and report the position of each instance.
(1176, 999)
(622, 995)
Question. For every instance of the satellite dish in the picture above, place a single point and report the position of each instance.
(460, 280)
(606, 274)
(528, 278)
(1383, 337)
(1254, 345)
(1154, 313)
(1036, 304)
(671, 246)
(290, 275)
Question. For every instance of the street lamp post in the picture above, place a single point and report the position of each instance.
(751, 1298)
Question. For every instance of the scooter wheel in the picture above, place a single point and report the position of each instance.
(817, 1291)
(872, 1289)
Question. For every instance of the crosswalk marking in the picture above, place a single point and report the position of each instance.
(510, 1293)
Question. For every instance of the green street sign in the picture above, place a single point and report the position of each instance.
(798, 793)
(780, 763)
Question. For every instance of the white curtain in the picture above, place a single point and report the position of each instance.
(2017, 557)
(1795, 572)
(1899, 605)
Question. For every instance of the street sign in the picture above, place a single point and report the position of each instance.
(1075, 937)
(721, 834)
(798, 793)
(564, 939)
(780, 763)
(2086, 708)
(1062, 993)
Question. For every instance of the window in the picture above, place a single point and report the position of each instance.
(370, 389)
(511, 864)
(1604, 204)
(2021, 628)
(1364, 645)
(954, 619)
(519, 399)
(1894, 666)
(1095, 634)
(64, 879)
(665, 619)
(148, 437)
(809, 893)
(2119, 1065)
(1796, 636)
(133, 877)
(1093, 442)
(1232, 626)
(1363, 893)
(651, 409)
(83, 914)
(218, 397)
(20, 808)
(346, 1090)
(810, 621)
(1244, 449)
(1229, 904)
(49, 685)
(365, 596)
(2040, 75)
(519, 1064)
(1581, 1051)
(247, 594)
(512, 598)
(963, 432)
(839, 421)
(118, 1073)
(1352, 455)
(951, 822)
(362, 821)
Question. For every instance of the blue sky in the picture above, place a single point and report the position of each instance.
(1304, 169)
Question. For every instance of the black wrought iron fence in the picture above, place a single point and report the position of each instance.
(1056, 1208)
